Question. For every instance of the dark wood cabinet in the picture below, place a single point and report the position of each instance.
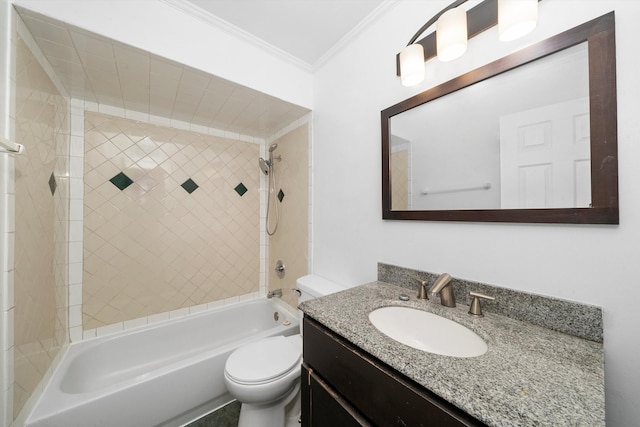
(344, 386)
(324, 407)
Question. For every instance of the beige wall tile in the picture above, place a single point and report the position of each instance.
(290, 242)
(400, 179)
(153, 247)
(41, 246)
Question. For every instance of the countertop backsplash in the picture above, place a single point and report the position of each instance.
(577, 319)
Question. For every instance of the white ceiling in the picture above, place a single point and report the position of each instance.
(103, 71)
(305, 29)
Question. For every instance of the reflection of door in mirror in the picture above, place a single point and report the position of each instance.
(545, 157)
(401, 173)
(459, 158)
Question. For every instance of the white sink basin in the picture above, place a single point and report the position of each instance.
(427, 331)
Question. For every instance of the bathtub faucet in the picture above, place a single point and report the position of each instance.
(276, 293)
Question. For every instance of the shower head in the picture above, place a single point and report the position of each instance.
(273, 147)
(264, 165)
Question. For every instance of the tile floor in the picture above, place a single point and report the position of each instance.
(226, 416)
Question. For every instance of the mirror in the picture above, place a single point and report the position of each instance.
(531, 137)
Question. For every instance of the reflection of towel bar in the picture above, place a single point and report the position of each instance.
(10, 147)
(485, 186)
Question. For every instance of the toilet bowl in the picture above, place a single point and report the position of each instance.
(265, 375)
(264, 371)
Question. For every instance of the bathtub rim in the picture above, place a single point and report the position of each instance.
(137, 324)
(42, 408)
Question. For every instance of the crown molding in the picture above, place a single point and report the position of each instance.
(208, 17)
(375, 14)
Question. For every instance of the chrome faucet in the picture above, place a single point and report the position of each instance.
(443, 286)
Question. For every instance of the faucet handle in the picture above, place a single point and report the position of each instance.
(422, 293)
(475, 308)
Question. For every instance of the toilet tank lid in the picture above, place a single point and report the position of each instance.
(318, 286)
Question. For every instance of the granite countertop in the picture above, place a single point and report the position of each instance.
(530, 375)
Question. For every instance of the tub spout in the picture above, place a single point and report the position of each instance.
(275, 293)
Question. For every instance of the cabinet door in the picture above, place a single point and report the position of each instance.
(323, 407)
(385, 396)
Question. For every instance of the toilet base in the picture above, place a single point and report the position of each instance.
(285, 412)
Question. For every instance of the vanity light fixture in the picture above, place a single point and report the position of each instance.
(454, 26)
(412, 64)
(516, 18)
(451, 34)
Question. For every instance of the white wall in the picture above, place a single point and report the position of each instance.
(585, 263)
(164, 30)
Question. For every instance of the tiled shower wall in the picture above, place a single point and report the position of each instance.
(290, 243)
(41, 221)
(171, 219)
(7, 223)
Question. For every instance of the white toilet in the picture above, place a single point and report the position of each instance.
(265, 375)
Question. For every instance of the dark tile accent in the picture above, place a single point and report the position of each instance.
(241, 189)
(573, 318)
(189, 186)
(52, 184)
(121, 181)
(227, 416)
(280, 195)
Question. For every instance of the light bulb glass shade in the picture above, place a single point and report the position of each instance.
(516, 18)
(412, 65)
(451, 34)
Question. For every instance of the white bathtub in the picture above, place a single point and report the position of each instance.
(166, 374)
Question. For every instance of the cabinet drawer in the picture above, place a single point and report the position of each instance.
(383, 395)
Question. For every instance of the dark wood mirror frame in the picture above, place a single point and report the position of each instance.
(600, 35)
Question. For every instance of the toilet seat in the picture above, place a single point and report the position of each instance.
(265, 360)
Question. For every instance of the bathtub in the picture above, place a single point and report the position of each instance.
(162, 375)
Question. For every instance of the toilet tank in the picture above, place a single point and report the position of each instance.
(311, 287)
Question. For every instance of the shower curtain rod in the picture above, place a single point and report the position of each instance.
(10, 147)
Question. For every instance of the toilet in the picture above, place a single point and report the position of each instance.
(265, 375)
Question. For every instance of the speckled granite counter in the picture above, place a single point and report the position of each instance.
(530, 376)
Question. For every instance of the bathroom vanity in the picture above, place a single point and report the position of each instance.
(355, 375)
(342, 383)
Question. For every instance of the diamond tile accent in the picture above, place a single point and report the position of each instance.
(52, 184)
(189, 186)
(154, 248)
(280, 195)
(241, 189)
(121, 181)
